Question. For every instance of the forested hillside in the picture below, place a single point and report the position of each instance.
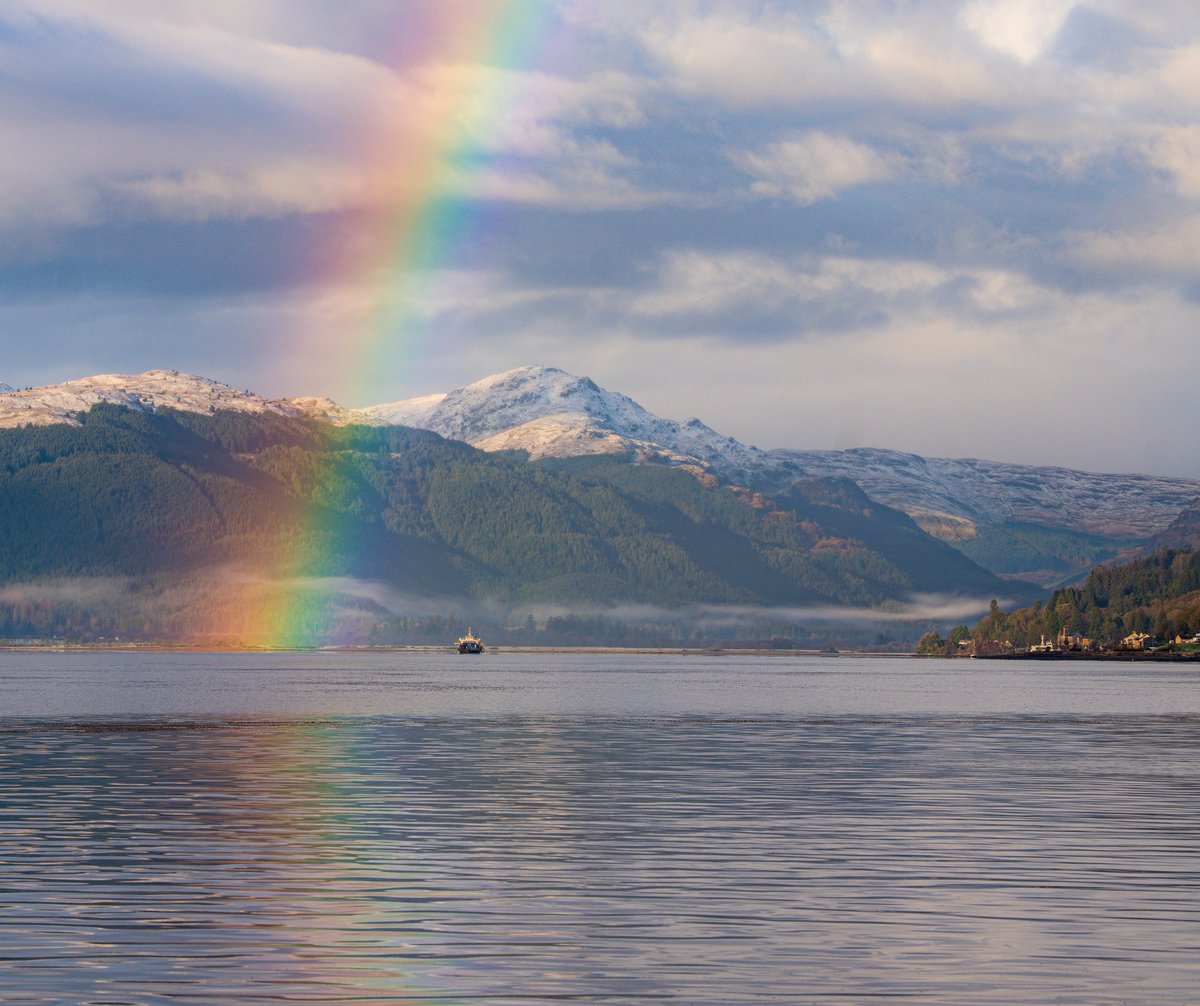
(1159, 594)
(138, 494)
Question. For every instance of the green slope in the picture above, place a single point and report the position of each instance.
(1158, 594)
(1049, 556)
(137, 494)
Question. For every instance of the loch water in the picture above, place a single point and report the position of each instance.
(596, 828)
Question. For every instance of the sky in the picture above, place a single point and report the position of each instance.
(958, 229)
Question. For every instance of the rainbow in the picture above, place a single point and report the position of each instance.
(429, 166)
(426, 154)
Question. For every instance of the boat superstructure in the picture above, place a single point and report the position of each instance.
(469, 643)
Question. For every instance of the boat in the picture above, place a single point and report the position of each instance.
(469, 643)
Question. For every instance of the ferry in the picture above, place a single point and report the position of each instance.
(469, 643)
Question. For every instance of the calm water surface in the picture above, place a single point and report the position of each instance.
(354, 828)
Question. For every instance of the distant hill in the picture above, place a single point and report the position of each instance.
(172, 494)
(1183, 532)
(1051, 556)
(1022, 521)
(1049, 525)
(57, 404)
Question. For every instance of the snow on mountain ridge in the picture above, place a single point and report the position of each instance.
(147, 392)
(409, 412)
(996, 492)
(549, 412)
(502, 401)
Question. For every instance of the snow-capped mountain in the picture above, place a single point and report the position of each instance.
(550, 413)
(155, 389)
(952, 496)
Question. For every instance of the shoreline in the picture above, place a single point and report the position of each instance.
(711, 651)
(1142, 656)
(54, 646)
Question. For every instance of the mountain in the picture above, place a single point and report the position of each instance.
(156, 389)
(549, 413)
(1049, 525)
(234, 498)
(967, 493)
(1183, 532)
(153, 390)
(1045, 524)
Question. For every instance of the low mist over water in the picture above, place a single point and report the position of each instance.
(613, 829)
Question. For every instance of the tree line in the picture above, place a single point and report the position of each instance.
(1158, 595)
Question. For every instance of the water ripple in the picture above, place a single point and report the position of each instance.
(594, 857)
(684, 860)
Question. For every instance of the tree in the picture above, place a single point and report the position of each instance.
(931, 644)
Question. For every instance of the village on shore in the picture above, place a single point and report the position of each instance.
(1136, 645)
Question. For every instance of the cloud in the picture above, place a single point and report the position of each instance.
(1167, 251)
(996, 84)
(1180, 74)
(820, 295)
(228, 605)
(194, 119)
(262, 191)
(233, 606)
(926, 70)
(1176, 151)
(743, 61)
(184, 113)
(813, 166)
(1022, 29)
(726, 617)
(977, 196)
(865, 54)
